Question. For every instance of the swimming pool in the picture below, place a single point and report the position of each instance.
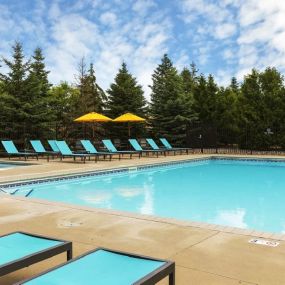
(239, 193)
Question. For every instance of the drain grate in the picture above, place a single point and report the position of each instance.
(264, 242)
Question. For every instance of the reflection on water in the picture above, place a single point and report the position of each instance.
(130, 192)
(103, 198)
(147, 207)
(232, 218)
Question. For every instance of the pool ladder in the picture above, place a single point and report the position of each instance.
(16, 190)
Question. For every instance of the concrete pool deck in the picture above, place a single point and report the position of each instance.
(203, 255)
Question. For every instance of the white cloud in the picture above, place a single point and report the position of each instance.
(224, 30)
(143, 6)
(140, 41)
(250, 32)
(108, 18)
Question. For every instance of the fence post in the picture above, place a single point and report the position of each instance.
(201, 143)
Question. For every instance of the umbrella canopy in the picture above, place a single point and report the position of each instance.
(127, 118)
(93, 117)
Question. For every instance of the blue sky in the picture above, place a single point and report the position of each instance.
(223, 37)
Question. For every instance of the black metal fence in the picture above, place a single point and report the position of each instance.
(245, 140)
(203, 138)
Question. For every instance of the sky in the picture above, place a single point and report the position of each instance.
(223, 37)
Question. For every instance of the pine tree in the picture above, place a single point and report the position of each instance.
(96, 96)
(37, 86)
(205, 97)
(126, 95)
(15, 91)
(169, 107)
(92, 96)
(261, 106)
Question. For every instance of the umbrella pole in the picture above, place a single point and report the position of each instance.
(129, 127)
(93, 130)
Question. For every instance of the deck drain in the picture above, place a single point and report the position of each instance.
(264, 242)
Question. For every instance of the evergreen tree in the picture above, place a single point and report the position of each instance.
(188, 82)
(261, 106)
(37, 87)
(92, 96)
(96, 96)
(227, 115)
(205, 100)
(200, 103)
(15, 91)
(170, 106)
(126, 95)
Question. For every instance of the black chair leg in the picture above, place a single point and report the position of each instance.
(172, 278)
(69, 254)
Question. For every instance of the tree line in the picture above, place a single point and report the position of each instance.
(251, 111)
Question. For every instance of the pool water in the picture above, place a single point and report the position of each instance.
(238, 193)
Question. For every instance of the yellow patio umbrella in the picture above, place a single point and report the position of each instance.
(127, 118)
(93, 117)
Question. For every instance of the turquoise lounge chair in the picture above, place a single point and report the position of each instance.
(107, 267)
(39, 149)
(90, 148)
(20, 250)
(13, 151)
(134, 143)
(167, 145)
(153, 145)
(111, 148)
(53, 145)
(65, 151)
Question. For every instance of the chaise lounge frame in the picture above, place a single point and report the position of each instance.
(168, 269)
(65, 246)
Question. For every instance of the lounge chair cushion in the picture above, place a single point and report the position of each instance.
(100, 267)
(19, 245)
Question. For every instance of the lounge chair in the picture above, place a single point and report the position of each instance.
(40, 150)
(108, 267)
(134, 143)
(13, 151)
(19, 250)
(111, 148)
(90, 148)
(153, 145)
(65, 151)
(167, 145)
(53, 145)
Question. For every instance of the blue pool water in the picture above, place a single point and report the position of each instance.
(239, 193)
